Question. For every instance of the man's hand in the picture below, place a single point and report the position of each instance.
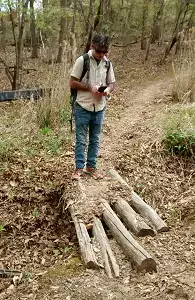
(94, 90)
(107, 91)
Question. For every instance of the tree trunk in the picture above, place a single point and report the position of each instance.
(127, 24)
(183, 8)
(155, 25)
(73, 44)
(34, 53)
(156, 29)
(94, 27)
(45, 3)
(181, 35)
(62, 31)
(144, 22)
(18, 44)
(90, 19)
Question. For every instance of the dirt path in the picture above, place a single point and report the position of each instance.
(173, 251)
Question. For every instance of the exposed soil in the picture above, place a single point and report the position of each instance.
(132, 144)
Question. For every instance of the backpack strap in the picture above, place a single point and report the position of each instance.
(86, 66)
(108, 68)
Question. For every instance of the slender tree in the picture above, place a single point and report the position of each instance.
(62, 31)
(144, 24)
(179, 25)
(16, 76)
(34, 53)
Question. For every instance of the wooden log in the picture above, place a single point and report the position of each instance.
(109, 259)
(86, 248)
(148, 212)
(129, 245)
(142, 207)
(113, 173)
(132, 220)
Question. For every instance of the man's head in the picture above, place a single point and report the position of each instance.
(99, 45)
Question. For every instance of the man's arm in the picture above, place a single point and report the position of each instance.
(110, 80)
(76, 84)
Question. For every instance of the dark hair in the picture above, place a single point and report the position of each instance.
(101, 41)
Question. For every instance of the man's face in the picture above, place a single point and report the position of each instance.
(98, 52)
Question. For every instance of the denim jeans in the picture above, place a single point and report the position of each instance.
(87, 121)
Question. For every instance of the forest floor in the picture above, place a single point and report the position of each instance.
(38, 236)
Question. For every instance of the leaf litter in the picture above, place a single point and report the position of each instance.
(38, 230)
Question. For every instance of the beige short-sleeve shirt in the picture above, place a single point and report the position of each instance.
(97, 76)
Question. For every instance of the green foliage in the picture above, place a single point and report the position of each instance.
(35, 213)
(28, 275)
(52, 143)
(180, 131)
(45, 130)
(7, 147)
(64, 115)
(2, 228)
(44, 116)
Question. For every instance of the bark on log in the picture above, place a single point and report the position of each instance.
(148, 212)
(129, 245)
(132, 220)
(142, 207)
(107, 254)
(86, 248)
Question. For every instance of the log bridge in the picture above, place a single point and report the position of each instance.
(126, 219)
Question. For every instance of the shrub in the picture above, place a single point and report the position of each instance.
(180, 130)
(53, 108)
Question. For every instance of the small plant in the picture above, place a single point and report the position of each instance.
(35, 213)
(64, 115)
(180, 142)
(2, 228)
(174, 215)
(180, 131)
(28, 275)
(45, 130)
(6, 149)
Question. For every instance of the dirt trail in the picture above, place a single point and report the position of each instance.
(142, 109)
(173, 251)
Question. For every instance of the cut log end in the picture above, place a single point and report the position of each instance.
(163, 229)
(148, 264)
(146, 232)
(93, 265)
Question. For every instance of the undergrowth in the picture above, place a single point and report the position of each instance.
(38, 127)
(180, 130)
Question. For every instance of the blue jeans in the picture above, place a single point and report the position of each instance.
(86, 120)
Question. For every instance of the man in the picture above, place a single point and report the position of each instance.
(90, 104)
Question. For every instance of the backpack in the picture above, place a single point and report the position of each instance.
(73, 92)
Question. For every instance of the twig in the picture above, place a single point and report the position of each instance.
(4, 273)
